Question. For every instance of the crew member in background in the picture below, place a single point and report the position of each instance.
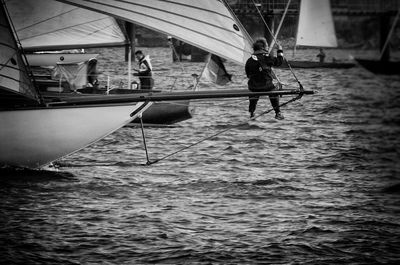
(258, 70)
(144, 71)
(321, 55)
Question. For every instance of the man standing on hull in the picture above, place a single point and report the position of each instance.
(258, 70)
(144, 71)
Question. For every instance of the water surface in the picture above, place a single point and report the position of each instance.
(320, 187)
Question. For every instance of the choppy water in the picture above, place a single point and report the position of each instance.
(320, 187)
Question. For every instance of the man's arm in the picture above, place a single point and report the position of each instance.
(278, 60)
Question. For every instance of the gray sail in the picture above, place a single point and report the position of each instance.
(44, 25)
(15, 85)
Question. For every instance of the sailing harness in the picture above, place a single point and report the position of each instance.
(299, 96)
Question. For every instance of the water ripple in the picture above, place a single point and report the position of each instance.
(320, 187)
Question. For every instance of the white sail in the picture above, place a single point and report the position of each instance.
(316, 26)
(207, 24)
(50, 25)
(13, 74)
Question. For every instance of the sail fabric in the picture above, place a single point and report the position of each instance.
(215, 71)
(13, 75)
(316, 26)
(74, 73)
(51, 25)
(206, 24)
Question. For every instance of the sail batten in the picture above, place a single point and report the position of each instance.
(206, 24)
(316, 27)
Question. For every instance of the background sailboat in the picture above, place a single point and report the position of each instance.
(383, 65)
(316, 29)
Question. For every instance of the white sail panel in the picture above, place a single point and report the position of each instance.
(13, 75)
(316, 26)
(207, 24)
(49, 25)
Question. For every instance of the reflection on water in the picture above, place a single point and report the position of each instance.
(320, 187)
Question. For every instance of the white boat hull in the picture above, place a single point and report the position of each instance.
(51, 59)
(36, 137)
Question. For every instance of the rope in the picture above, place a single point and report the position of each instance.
(279, 26)
(269, 30)
(390, 34)
(219, 132)
(144, 139)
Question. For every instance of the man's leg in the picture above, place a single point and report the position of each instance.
(275, 104)
(145, 83)
(252, 105)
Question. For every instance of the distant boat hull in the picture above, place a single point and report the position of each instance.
(310, 64)
(51, 59)
(161, 113)
(167, 113)
(380, 67)
(36, 137)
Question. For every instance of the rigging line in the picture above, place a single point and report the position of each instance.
(390, 33)
(279, 26)
(144, 138)
(265, 22)
(287, 62)
(222, 131)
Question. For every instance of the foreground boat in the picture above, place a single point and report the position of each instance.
(34, 132)
(34, 137)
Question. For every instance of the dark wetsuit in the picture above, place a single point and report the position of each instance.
(144, 74)
(258, 70)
